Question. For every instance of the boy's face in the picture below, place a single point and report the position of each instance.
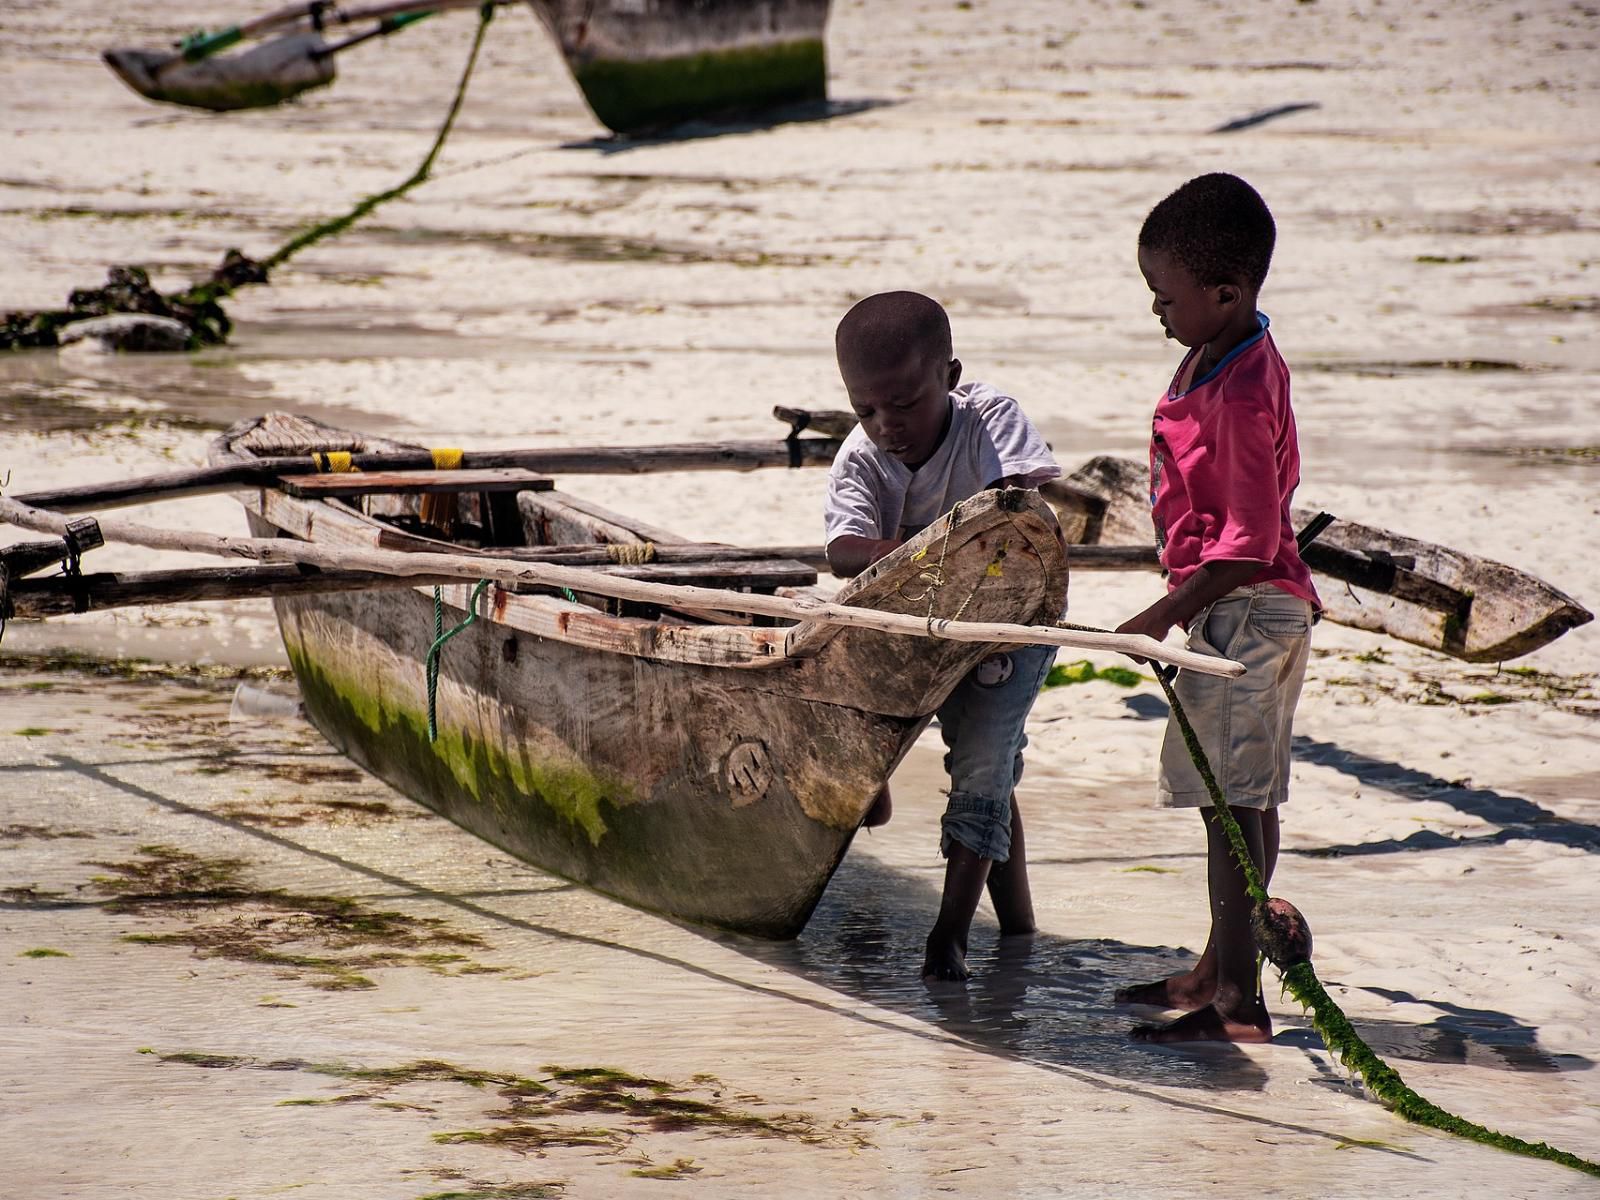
(1191, 314)
(902, 406)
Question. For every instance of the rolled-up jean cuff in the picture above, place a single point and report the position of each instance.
(981, 824)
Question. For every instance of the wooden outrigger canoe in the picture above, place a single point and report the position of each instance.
(715, 772)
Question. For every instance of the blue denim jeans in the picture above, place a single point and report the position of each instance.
(982, 726)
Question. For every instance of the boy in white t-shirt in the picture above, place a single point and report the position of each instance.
(924, 445)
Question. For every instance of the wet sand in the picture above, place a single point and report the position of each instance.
(1435, 291)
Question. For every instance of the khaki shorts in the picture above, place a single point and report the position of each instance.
(1245, 725)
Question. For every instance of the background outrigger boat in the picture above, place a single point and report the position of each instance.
(642, 65)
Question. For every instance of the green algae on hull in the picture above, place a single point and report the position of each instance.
(457, 761)
(640, 96)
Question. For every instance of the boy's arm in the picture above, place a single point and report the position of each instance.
(850, 554)
(1213, 581)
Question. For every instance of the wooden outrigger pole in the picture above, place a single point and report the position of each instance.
(509, 571)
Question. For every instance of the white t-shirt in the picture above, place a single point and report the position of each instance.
(873, 495)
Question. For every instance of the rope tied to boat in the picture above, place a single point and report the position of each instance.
(335, 462)
(797, 425)
(933, 578)
(440, 509)
(1300, 980)
(631, 553)
(440, 637)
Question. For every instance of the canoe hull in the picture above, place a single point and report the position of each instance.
(713, 772)
(663, 785)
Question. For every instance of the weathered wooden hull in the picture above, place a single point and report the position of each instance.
(715, 774)
(647, 64)
(665, 785)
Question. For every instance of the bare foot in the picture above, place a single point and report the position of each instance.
(882, 809)
(1187, 991)
(944, 958)
(1208, 1024)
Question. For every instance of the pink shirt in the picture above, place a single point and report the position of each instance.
(1224, 464)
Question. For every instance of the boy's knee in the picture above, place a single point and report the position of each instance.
(980, 823)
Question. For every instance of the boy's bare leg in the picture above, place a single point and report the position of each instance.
(1008, 885)
(965, 874)
(1236, 1011)
(1195, 988)
(882, 809)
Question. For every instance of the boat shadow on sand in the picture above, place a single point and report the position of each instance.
(1514, 818)
(802, 113)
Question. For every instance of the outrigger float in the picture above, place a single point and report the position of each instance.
(694, 729)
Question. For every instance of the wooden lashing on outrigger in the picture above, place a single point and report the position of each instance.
(26, 558)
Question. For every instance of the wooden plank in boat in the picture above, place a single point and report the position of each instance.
(413, 483)
(761, 574)
(565, 517)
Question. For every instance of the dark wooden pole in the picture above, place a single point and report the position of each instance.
(570, 460)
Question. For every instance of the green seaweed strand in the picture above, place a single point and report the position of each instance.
(1384, 1082)
(1338, 1035)
(217, 289)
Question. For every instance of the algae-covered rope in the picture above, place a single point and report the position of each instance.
(217, 289)
(1338, 1035)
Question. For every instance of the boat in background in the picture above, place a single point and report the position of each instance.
(642, 65)
(645, 65)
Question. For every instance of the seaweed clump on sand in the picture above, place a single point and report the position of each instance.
(128, 290)
(558, 1109)
(333, 938)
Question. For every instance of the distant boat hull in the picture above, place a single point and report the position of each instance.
(644, 65)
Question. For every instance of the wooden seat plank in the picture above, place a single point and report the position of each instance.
(758, 575)
(412, 483)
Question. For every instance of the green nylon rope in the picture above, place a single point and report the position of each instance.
(217, 289)
(440, 637)
(1338, 1035)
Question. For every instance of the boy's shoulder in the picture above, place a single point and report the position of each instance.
(984, 399)
(857, 453)
(978, 403)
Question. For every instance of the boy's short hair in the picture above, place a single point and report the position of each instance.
(1218, 229)
(888, 326)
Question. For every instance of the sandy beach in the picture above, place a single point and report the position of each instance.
(236, 966)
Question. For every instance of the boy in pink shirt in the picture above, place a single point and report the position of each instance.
(1224, 464)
